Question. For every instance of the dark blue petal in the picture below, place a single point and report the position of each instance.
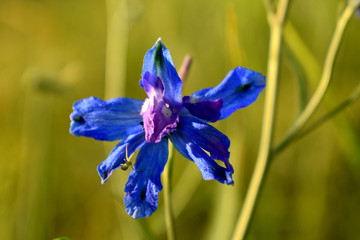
(108, 120)
(118, 154)
(240, 88)
(144, 184)
(195, 139)
(202, 108)
(158, 62)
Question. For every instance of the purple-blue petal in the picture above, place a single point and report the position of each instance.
(204, 144)
(159, 116)
(208, 110)
(143, 186)
(153, 86)
(118, 154)
(158, 62)
(109, 120)
(240, 88)
(159, 121)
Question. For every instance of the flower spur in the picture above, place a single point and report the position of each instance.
(164, 115)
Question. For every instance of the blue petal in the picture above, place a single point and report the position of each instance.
(240, 88)
(108, 120)
(158, 62)
(195, 139)
(144, 185)
(118, 154)
(202, 108)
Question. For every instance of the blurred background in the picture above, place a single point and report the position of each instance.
(53, 53)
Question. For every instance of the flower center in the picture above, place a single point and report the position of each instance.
(166, 111)
(158, 113)
(159, 120)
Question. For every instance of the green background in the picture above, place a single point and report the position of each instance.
(52, 53)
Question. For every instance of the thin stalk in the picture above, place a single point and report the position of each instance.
(308, 63)
(276, 26)
(169, 215)
(116, 48)
(351, 99)
(325, 77)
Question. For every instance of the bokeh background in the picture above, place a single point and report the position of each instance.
(53, 53)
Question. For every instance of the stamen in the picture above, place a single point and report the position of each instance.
(166, 111)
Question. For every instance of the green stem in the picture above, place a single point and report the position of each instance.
(116, 45)
(276, 24)
(351, 99)
(169, 216)
(325, 78)
(117, 28)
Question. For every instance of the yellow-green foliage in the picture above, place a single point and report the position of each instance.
(53, 53)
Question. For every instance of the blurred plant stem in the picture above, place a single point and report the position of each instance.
(235, 47)
(276, 25)
(116, 48)
(169, 216)
(116, 45)
(276, 21)
(34, 164)
(115, 83)
(307, 67)
(184, 69)
(313, 104)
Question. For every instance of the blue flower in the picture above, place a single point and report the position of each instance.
(164, 115)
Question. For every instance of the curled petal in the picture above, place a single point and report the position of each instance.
(240, 88)
(153, 86)
(203, 144)
(143, 186)
(108, 120)
(158, 62)
(118, 154)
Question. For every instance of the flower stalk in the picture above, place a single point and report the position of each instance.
(332, 113)
(276, 21)
(324, 80)
(169, 215)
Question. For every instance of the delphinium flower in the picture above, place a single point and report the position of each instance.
(164, 115)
